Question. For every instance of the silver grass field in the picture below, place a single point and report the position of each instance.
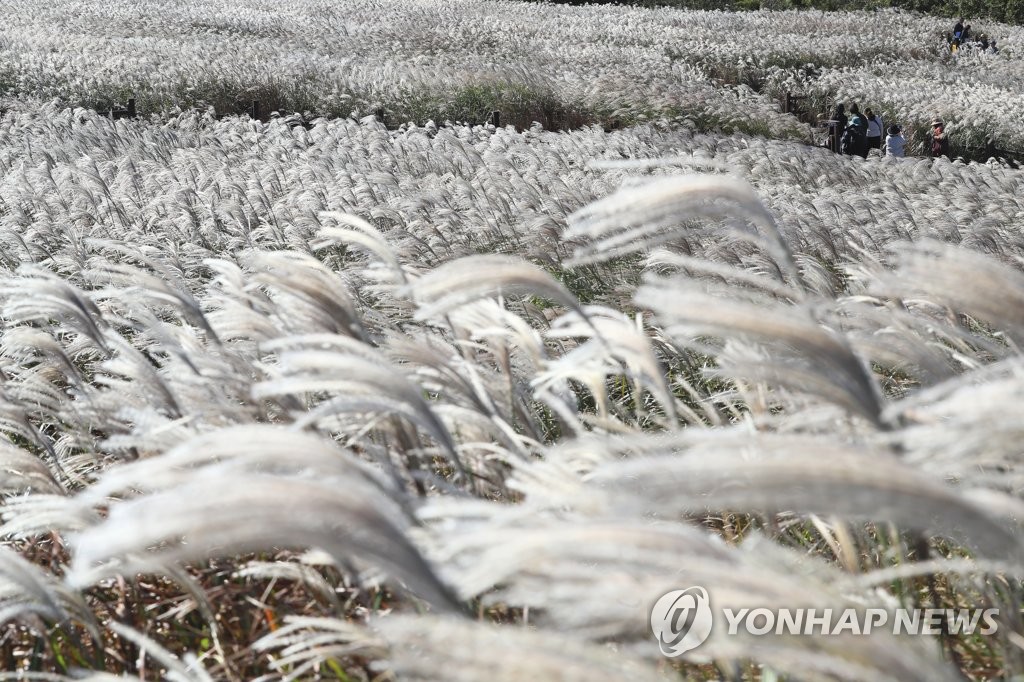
(296, 399)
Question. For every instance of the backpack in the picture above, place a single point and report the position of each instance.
(848, 141)
(859, 125)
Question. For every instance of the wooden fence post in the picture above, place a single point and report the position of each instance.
(834, 134)
(254, 110)
(790, 106)
(131, 108)
(496, 119)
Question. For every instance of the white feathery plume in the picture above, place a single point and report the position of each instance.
(302, 644)
(363, 235)
(436, 648)
(473, 277)
(246, 489)
(643, 217)
(808, 475)
(620, 344)
(25, 591)
(39, 296)
(597, 576)
(24, 472)
(361, 382)
(308, 576)
(317, 299)
(966, 281)
(824, 355)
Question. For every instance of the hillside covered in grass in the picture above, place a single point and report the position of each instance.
(564, 67)
(1008, 11)
(356, 400)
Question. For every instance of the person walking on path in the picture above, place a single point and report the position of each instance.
(895, 143)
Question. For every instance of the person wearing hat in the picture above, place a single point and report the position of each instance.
(895, 143)
(939, 143)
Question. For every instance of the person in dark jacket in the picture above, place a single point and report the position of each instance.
(859, 130)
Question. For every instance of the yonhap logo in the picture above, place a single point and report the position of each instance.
(681, 620)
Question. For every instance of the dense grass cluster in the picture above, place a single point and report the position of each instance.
(1010, 11)
(225, 339)
(421, 60)
(337, 400)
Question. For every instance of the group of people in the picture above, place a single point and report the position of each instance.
(961, 36)
(857, 134)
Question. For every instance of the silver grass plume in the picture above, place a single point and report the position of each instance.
(39, 296)
(470, 278)
(317, 299)
(639, 218)
(24, 472)
(622, 347)
(360, 379)
(247, 489)
(960, 279)
(302, 644)
(808, 356)
(27, 592)
(594, 573)
(294, 571)
(429, 648)
(740, 471)
(362, 234)
(968, 427)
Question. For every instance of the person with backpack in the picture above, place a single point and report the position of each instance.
(858, 127)
(895, 143)
(875, 128)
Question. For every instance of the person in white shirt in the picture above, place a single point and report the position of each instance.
(875, 129)
(895, 142)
